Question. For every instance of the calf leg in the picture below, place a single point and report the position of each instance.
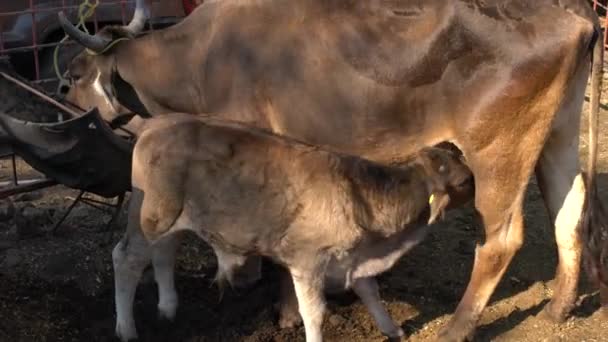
(163, 261)
(308, 287)
(367, 290)
(130, 256)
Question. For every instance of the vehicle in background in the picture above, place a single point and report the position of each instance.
(28, 35)
(190, 5)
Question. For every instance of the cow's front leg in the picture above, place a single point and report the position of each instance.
(499, 201)
(308, 286)
(367, 290)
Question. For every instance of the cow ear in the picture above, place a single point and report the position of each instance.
(425, 159)
(126, 96)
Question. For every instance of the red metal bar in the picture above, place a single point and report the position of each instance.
(123, 8)
(2, 52)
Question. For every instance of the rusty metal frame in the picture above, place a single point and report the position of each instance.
(18, 187)
(36, 47)
(22, 186)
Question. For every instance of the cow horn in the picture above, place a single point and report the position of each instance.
(94, 43)
(139, 17)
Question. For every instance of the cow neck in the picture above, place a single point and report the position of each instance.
(126, 95)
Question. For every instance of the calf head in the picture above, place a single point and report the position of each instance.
(449, 180)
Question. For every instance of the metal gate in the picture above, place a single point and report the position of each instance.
(29, 30)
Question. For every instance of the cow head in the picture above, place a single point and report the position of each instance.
(95, 82)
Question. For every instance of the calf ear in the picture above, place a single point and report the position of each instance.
(438, 203)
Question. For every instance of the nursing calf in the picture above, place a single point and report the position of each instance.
(328, 218)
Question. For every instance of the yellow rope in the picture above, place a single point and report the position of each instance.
(108, 47)
(85, 10)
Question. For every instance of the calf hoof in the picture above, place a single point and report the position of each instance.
(457, 331)
(167, 311)
(396, 336)
(126, 333)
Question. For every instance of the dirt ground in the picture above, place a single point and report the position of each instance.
(60, 287)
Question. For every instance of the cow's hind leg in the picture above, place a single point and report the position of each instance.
(163, 261)
(558, 174)
(500, 187)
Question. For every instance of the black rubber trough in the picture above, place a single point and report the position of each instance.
(82, 152)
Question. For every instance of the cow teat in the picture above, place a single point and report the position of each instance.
(438, 202)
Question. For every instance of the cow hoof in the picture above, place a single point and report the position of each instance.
(553, 315)
(604, 300)
(289, 320)
(457, 332)
(604, 312)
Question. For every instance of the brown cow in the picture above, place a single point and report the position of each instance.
(330, 219)
(504, 80)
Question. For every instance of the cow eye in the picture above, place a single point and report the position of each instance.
(64, 88)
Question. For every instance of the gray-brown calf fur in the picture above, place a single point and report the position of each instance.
(324, 216)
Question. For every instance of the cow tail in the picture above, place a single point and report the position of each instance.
(595, 219)
(597, 66)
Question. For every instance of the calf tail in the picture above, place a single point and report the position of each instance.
(595, 219)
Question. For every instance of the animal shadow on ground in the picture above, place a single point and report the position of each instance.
(430, 279)
(433, 277)
(425, 285)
